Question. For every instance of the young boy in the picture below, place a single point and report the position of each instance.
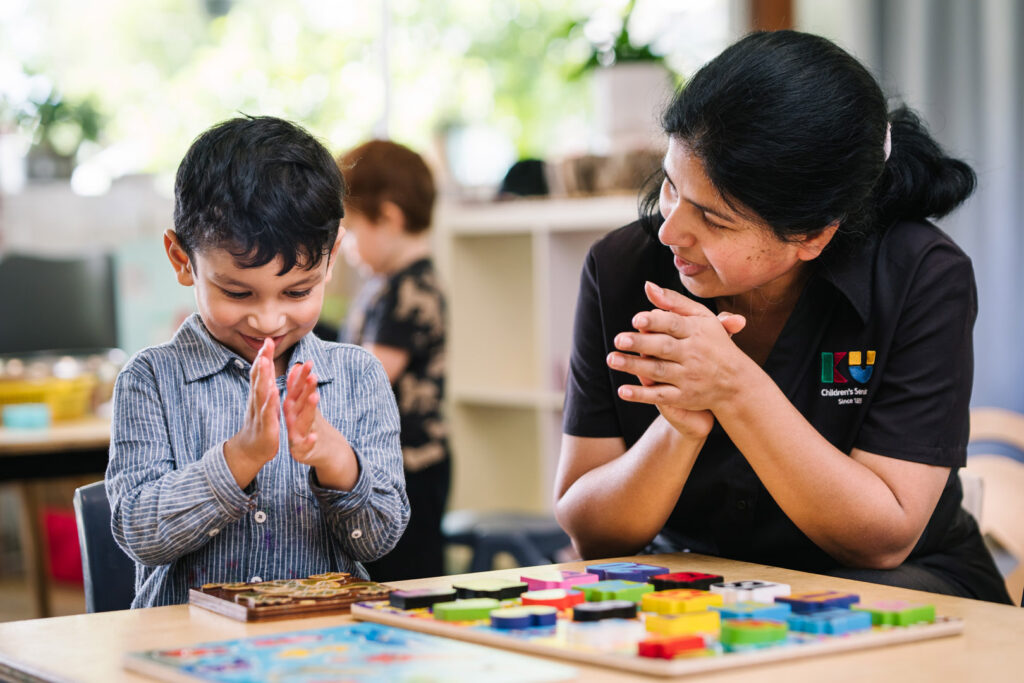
(246, 448)
(399, 316)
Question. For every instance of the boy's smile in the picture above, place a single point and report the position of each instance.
(243, 306)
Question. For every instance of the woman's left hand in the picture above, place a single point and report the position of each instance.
(686, 357)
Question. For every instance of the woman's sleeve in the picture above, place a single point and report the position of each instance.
(920, 411)
(589, 396)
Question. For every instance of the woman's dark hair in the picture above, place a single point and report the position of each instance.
(260, 187)
(791, 127)
(379, 171)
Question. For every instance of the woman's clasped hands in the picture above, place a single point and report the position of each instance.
(684, 357)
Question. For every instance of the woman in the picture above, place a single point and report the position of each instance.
(800, 333)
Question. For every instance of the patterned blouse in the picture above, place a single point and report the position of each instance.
(406, 310)
(177, 510)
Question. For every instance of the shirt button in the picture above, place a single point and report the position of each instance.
(260, 516)
(741, 505)
(356, 534)
(239, 364)
(214, 532)
(255, 579)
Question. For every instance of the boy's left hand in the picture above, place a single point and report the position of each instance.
(312, 440)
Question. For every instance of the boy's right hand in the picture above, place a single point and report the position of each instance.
(257, 442)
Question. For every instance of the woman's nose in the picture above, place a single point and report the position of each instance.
(675, 232)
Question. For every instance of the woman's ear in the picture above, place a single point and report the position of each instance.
(178, 258)
(811, 246)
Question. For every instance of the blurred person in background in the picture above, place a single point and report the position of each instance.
(399, 316)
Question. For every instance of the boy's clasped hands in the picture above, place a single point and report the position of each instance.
(312, 440)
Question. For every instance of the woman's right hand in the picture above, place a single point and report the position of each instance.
(689, 422)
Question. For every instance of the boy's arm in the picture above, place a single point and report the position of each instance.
(160, 512)
(369, 519)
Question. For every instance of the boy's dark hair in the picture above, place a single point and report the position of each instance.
(793, 127)
(378, 171)
(260, 187)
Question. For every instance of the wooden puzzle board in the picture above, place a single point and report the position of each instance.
(556, 643)
(321, 594)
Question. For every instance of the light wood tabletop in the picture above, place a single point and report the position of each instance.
(90, 647)
(71, 435)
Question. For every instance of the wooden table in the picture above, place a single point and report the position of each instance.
(65, 449)
(90, 647)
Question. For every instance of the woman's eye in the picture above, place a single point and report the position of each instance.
(299, 294)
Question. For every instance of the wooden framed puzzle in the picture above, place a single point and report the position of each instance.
(644, 619)
(331, 593)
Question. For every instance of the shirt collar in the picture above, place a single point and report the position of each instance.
(851, 271)
(202, 355)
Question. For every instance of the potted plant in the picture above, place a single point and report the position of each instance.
(57, 127)
(631, 83)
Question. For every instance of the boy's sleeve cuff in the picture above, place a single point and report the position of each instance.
(232, 500)
(344, 502)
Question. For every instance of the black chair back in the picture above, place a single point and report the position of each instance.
(108, 573)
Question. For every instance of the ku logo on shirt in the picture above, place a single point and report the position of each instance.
(850, 368)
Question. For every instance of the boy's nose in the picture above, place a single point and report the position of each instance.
(266, 322)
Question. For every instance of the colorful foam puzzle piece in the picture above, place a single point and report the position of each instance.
(637, 572)
(601, 570)
(508, 618)
(669, 647)
(604, 609)
(682, 624)
(553, 579)
(559, 598)
(819, 600)
(421, 597)
(499, 589)
(473, 609)
(749, 591)
(743, 633)
(897, 613)
(834, 621)
(616, 590)
(776, 611)
(695, 580)
(679, 601)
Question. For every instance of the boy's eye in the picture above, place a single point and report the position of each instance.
(299, 294)
(235, 295)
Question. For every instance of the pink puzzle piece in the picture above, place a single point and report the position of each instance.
(548, 581)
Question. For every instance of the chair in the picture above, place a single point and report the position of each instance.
(531, 539)
(1002, 476)
(108, 573)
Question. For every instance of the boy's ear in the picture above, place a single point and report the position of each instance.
(332, 258)
(811, 246)
(178, 258)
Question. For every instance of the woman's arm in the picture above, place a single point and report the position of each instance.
(612, 501)
(864, 509)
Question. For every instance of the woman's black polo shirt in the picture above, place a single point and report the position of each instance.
(876, 355)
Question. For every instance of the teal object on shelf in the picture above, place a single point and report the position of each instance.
(26, 416)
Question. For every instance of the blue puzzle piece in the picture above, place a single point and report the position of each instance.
(636, 572)
(834, 622)
(754, 610)
(602, 569)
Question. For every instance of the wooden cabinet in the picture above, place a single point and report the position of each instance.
(511, 271)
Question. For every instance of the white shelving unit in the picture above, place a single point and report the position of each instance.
(512, 276)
